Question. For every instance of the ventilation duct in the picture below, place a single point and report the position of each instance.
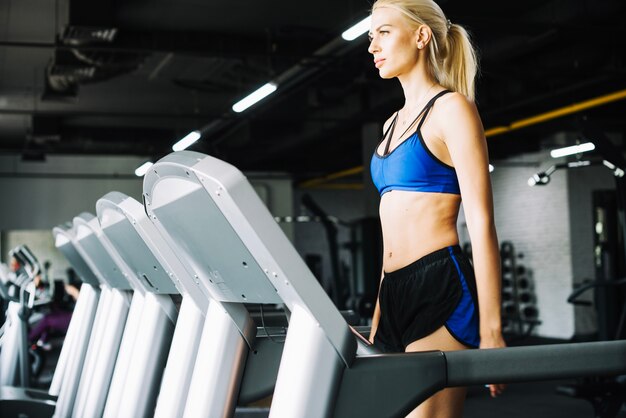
(88, 51)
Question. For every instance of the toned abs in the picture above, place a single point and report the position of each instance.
(415, 224)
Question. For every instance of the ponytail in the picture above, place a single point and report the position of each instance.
(457, 71)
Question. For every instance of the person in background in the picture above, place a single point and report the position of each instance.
(15, 266)
(57, 320)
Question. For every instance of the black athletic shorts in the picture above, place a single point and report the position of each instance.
(437, 290)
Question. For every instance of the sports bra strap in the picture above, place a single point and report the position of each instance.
(391, 126)
(428, 106)
(390, 130)
(423, 113)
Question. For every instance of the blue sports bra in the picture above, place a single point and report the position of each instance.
(411, 166)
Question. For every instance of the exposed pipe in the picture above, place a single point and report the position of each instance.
(557, 113)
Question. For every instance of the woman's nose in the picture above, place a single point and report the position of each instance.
(373, 48)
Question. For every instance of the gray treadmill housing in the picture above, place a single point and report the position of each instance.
(63, 241)
(121, 232)
(236, 266)
(96, 255)
(208, 240)
(161, 250)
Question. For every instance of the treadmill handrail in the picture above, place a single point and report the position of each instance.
(410, 378)
(533, 363)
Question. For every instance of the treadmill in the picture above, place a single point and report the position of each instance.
(214, 219)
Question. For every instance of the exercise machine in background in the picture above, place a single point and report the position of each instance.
(607, 395)
(353, 288)
(15, 362)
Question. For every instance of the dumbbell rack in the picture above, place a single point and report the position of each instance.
(519, 310)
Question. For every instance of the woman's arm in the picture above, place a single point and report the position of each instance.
(72, 291)
(466, 143)
(376, 315)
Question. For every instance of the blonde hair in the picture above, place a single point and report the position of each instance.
(452, 59)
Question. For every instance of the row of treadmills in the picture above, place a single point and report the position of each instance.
(201, 232)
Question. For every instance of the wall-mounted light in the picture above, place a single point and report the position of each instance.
(617, 172)
(575, 149)
(539, 179)
(254, 97)
(543, 177)
(491, 168)
(357, 30)
(187, 141)
(143, 168)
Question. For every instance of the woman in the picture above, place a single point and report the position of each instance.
(57, 319)
(432, 155)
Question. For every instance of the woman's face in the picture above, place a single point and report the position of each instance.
(392, 43)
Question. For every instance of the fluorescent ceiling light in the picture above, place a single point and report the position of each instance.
(186, 141)
(357, 30)
(254, 97)
(143, 168)
(491, 168)
(576, 149)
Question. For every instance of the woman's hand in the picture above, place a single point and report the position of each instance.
(371, 337)
(493, 340)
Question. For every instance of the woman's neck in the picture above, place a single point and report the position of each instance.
(416, 86)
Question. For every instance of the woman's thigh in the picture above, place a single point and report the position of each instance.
(447, 403)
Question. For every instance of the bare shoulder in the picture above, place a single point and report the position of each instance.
(455, 105)
(457, 116)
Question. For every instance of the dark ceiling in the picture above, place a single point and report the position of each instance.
(132, 77)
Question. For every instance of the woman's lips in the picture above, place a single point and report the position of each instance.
(379, 62)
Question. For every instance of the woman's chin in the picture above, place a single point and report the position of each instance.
(385, 74)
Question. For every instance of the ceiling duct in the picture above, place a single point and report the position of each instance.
(63, 75)
(69, 69)
(80, 35)
(93, 56)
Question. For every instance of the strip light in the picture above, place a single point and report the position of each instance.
(576, 149)
(191, 138)
(357, 30)
(254, 97)
(143, 169)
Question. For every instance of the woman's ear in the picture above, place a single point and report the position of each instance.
(422, 36)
